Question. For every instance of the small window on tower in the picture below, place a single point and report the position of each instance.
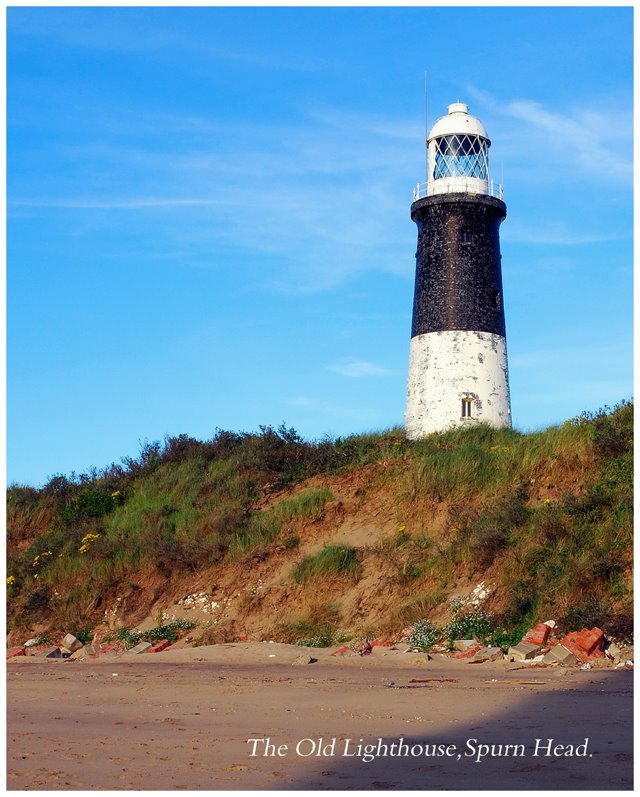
(466, 236)
(496, 300)
(467, 408)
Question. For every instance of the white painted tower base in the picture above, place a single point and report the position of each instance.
(452, 372)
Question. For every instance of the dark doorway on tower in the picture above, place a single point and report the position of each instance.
(467, 407)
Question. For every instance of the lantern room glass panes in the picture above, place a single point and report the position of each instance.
(460, 156)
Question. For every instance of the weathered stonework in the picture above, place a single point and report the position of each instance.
(458, 264)
(458, 346)
(447, 367)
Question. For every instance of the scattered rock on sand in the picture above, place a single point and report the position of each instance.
(71, 643)
(304, 660)
(523, 651)
(141, 647)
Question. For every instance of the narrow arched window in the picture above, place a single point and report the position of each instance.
(466, 236)
(467, 407)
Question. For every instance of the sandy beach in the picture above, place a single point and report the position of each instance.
(184, 719)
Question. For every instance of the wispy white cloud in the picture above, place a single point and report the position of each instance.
(119, 204)
(127, 31)
(303, 403)
(577, 141)
(325, 200)
(547, 232)
(542, 360)
(358, 369)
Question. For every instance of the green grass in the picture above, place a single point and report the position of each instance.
(548, 515)
(317, 628)
(332, 561)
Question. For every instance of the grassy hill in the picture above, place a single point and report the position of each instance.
(288, 540)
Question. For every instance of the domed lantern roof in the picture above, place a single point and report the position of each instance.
(458, 121)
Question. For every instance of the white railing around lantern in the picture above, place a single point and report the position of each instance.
(449, 187)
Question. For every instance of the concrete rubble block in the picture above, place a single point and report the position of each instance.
(488, 654)
(523, 651)
(71, 643)
(30, 642)
(464, 644)
(85, 652)
(141, 647)
(613, 652)
(560, 655)
(13, 652)
(538, 634)
(52, 653)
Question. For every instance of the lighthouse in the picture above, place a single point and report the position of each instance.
(458, 372)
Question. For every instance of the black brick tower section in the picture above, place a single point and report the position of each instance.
(458, 264)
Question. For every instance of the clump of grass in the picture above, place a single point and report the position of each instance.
(306, 505)
(172, 631)
(263, 526)
(414, 609)
(316, 629)
(332, 561)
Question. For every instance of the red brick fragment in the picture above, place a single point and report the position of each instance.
(13, 652)
(159, 646)
(467, 654)
(585, 644)
(341, 651)
(590, 641)
(537, 635)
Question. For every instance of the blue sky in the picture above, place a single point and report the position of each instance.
(208, 215)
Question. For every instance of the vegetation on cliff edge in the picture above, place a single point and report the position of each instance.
(547, 514)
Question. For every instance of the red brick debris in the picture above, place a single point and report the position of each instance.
(585, 644)
(12, 652)
(468, 653)
(159, 646)
(537, 635)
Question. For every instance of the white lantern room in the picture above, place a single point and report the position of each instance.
(457, 156)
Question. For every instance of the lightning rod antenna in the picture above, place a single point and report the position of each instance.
(426, 128)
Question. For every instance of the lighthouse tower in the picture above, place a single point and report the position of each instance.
(458, 357)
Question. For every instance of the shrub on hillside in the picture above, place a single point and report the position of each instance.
(334, 560)
(424, 635)
(466, 625)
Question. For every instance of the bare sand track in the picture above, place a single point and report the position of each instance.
(181, 720)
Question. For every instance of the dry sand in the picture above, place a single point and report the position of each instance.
(181, 720)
